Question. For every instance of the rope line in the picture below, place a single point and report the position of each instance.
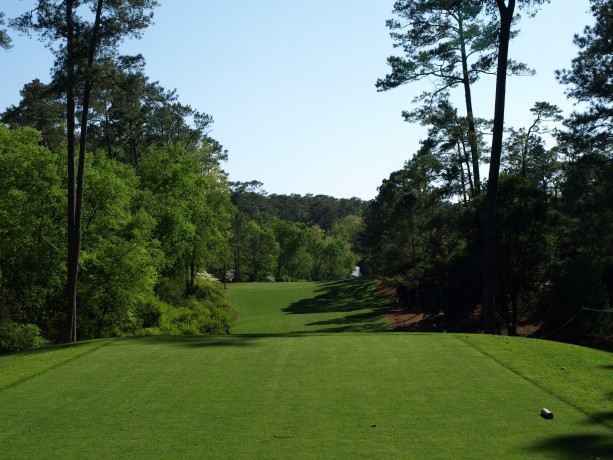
(570, 320)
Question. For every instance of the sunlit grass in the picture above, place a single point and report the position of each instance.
(283, 394)
(281, 308)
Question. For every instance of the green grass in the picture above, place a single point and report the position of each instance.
(286, 393)
(282, 308)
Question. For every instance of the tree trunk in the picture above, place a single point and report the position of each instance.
(75, 191)
(468, 173)
(489, 220)
(71, 316)
(513, 322)
(472, 132)
(462, 178)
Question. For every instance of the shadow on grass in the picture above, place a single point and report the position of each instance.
(595, 446)
(605, 417)
(80, 349)
(212, 341)
(577, 446)
(364, 308)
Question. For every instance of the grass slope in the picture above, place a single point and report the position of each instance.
(282, 308)
(320, 395)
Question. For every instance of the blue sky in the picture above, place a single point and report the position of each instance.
(290, 84)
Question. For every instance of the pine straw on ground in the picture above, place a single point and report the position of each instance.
(412, 320)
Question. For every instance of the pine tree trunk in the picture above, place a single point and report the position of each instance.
(472, 132)
(75, 187)
(71, 313)
(489, 224)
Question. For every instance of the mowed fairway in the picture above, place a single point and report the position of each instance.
(290, 393)
(282, 308)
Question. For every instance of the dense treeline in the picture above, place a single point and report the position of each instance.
(149, 233)
(112, 189)
(554, 215)
(150, 230)
(293, 237)
(143, 230)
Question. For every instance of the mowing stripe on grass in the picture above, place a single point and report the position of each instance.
(20, 367)
(289, 388)
(577, 375)
(281, 308)
(360, 395)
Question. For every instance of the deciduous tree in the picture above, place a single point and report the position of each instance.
(78, 41)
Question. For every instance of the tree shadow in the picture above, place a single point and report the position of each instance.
(204, 341)
(363, 322)
(211, 341)
(357, 298)
(605, 417)
(572, 447)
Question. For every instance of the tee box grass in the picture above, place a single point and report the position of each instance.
(308, 385)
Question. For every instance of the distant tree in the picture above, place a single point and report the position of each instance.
(249, 200)
(324, 211)
(450, 42)
(448, 141)
(590, 81)
(293, 260)
(5, 40)
(524, 149)
(261, 250)
(349, 229)
(41, 107)
(78, 43)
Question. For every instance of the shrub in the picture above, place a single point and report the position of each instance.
(205, 311)
(169, 291)
(18, 337)
(149, 313)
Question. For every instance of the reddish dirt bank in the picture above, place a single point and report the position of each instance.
(414, 321)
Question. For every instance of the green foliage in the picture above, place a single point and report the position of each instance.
(131, 234)
(315, 237)
(546, 220)
(205, 311)
(5, 40)
(41, 107)
(32, 206)
(439, 51)
(119, 258)
(170, 291)
(19, 337)
(192, 210)
(293, 261)
(590, 82)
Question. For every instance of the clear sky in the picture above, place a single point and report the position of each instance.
(291, 84)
